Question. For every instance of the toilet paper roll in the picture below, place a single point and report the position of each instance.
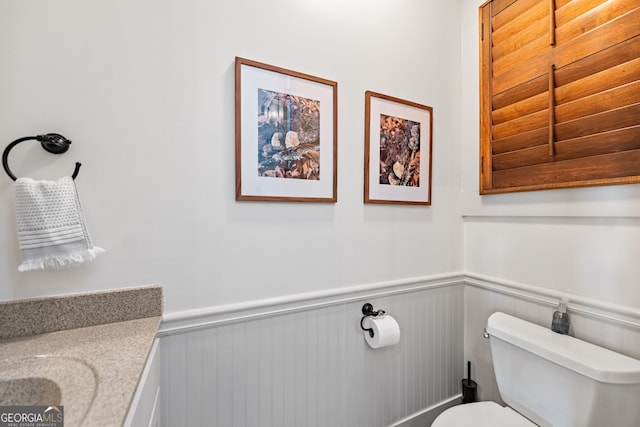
(386, 331)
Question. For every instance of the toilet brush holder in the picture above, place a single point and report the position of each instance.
(469, 387)
(469, 390)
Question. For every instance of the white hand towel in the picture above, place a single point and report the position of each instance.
(51, 227)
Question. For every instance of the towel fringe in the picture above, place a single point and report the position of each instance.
(61, 261)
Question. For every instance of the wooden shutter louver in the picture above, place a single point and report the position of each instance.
(560, 94)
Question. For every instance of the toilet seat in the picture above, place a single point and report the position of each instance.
(481, 414)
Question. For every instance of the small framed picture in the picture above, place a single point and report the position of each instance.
(397, 154)
(286, 134)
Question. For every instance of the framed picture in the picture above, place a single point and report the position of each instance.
(286, 134)
(397, 154)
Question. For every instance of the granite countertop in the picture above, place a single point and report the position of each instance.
(96, 365)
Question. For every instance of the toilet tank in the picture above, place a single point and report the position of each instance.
(560, 381)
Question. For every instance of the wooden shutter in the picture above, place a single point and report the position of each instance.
(559, 94)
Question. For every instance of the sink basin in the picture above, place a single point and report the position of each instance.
(29, 392)
(49, 380)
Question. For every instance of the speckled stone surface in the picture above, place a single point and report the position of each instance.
(40, 315)
(113, 356)
(95, 355)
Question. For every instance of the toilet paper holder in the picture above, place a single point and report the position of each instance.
(368, 311)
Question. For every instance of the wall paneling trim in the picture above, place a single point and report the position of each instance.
(604, 324)
(302, 361)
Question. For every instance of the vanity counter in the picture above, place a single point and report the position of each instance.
(96, 367)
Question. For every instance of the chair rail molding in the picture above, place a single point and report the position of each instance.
(601, 310)
(202, 318)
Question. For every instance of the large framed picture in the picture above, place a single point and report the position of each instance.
(397, 154)
(286, 134)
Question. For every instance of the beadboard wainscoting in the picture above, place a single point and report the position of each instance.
(608, 325)
(303, 361)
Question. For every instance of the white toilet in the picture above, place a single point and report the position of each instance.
(548, 379)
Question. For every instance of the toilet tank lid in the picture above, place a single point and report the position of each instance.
(580, 356)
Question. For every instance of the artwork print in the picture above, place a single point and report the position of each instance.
(399, 151)
(288, 136)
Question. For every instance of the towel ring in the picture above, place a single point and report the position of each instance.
(51, 142)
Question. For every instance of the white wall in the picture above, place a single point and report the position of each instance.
(145, 90)
(309, 365)
(579, 242)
